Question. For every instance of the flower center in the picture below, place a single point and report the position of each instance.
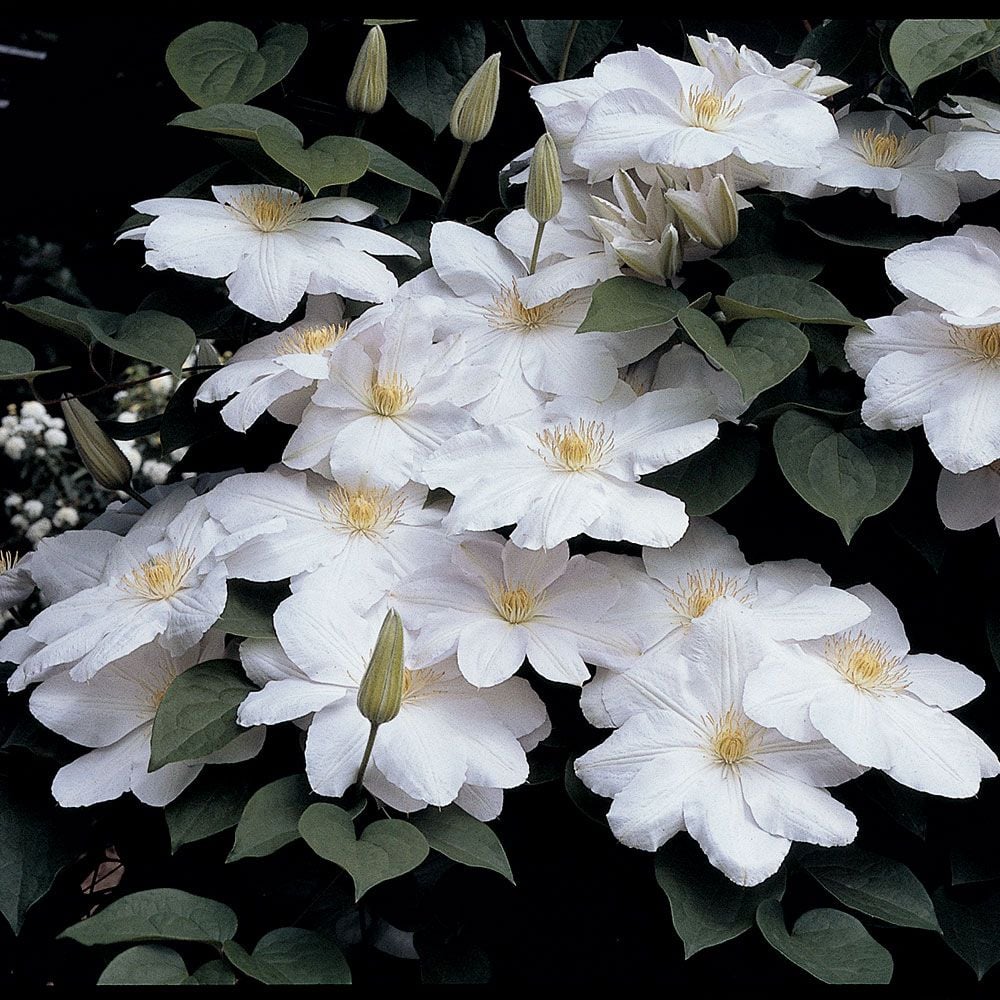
(389, 396)
(420, 683)
(514, 604)
(982, 342)
(161, 577)
(312, 339)
(881, 149)
(577, 448)
(508, 312)
(266, 210)
(8, 560)
(867, 664)
(708, 109)
(364, 510)
(692, 597)
(733, 737)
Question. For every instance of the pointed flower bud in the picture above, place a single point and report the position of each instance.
(476, 104)
(710, 215)
(105, 461)
(381, 692)
(369, 80)
(543, 198)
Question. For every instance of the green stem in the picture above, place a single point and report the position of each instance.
(359, 783)
(466, 146)
(538, 243)
(359, 127)
(131, 491)
(564, 62)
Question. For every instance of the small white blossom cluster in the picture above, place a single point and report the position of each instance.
(30, 431)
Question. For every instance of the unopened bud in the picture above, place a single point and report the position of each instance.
(369, 80)
(711, 217)
(543, 198)
(381, 692)
(476, 104)
(103, 458)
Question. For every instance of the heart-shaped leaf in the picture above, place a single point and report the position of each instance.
(334, 159)
(221, 63)
(463, 838)
(213, 804)
(971, 930)
(145, 965)
(394, 169)
(271, 818)
(387, 848)
(782, 296)
(212, 973)
(548, 39)
(291, 956)
(623, 304)
(148, 335)
(240, 120)
(923, 49)
(848, 475)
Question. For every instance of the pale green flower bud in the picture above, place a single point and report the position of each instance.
(710, 216)
(103, 458)
(369, 80)
(543, 199)
(381, 692)
(476, 104)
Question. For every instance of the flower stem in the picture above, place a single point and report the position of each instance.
(359, 783)
(359, 127)
(538, 243)
(466, 146)
(131, 491)
(564, 62)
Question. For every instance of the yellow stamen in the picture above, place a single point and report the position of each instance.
(8, 560)
(708, 109)
(983, 342)
(733, 737)
(514, 604)
(421, 683)
(389, 396)
(363, 510)
(267, 210)
(161, 577)
(577, 448)
(312, 339)
(508, 312)
(866, 663)
(881, 149)
(699, 591)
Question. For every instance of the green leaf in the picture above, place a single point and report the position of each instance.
(122, 431)
(463, 838)
(334, 159)
(427, 81)
(220, 62)
(15, 360)
(240, 120)
(706, 908)
(148, 335)
(877, 886)
(834, 44)
(762, 352)
(59, 315)
(197, 715)
(827, 346)
(548, 39)
(923, 49)
(291, 956)
(387, 848)
(145, 965)
(390, 199)
(37, 840)
(212, 973)
(781, 296)
(709, 479)
(212, 804)
(250, 607)
(270, 818)
(393, 169)
(829, 944)
(622, 304)
(156, 915)
(971, 930)
(848, 475)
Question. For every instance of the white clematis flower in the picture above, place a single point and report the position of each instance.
(271, 246)
(572, 467)
(450, 741)
(972, 144)
(497, 604)
(381, 414)
(666, 592)
(877, 702)
(689, 758)
(351, 537)
(966, 502)
(921, 369)
(113, 713)
(278, 372)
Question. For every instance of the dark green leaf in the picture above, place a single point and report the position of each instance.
(291, 956)
(623, 304)
(971, 930)
(707, 909)
(59, 315)
(848, 475)
(387, 848)
(197, 715)
(334, 159)
(829, 944)
(250, 607)
(212, 804)
(827, 346)
(148, 335)
(548, 39)
(156, 915)
(220, 63)
(834, 45)
(877, 886)
(183, 422)
(394, 169)
(391, 199)
(463, 838)
(593, 806)
(122, 431)
(240, 120)
(145, 965)
(270, 818)
(781, 296)
(15, 360)
(213, 973)
(414, 233)
(924, 49)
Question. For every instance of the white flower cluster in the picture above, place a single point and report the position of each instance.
(30, 431)
(738, 693)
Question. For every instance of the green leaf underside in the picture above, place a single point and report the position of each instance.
(145, 965)
(783, 296)
(622, 304)
(463, 838)
(923, 49)
(334, 159)
(291, 956)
